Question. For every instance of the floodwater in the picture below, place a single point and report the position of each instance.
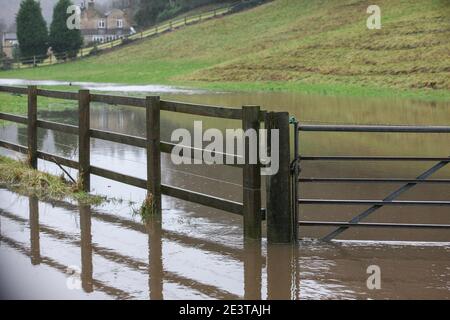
(60, 250)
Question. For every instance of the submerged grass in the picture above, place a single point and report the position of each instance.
(147, 209)
(18, 104)
(19, 177)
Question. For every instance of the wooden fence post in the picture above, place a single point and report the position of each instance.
(32, 127)
(84, 146)
(154, 151)
(251, 176)
(279, 214)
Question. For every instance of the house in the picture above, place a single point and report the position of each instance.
(9, 43)
(98, 27)
(130, 7)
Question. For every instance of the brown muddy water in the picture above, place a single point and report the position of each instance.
(60, 250)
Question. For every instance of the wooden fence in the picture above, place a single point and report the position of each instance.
(251, 117)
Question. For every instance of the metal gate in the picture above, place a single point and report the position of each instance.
(373, 205)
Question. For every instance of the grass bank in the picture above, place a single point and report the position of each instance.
(18, 177)
(321, 47)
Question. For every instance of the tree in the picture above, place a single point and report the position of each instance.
(148, 12)
(32, 30)
(62, 39)
(2, 30)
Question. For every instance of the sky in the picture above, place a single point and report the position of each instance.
(9, 9)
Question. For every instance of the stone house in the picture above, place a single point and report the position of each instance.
(9, 42)
(98, 27)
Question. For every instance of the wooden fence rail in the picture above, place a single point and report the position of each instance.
(250, 116)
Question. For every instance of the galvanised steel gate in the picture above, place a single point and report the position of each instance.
(373, 205)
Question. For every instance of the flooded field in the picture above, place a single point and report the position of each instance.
(60, 250)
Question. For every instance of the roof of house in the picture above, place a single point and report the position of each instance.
(9, 36)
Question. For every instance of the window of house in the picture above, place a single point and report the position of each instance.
(101, 23)
(119, 23)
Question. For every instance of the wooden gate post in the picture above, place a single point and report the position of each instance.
(154, 151)
(251, 176)
(32, 127)
(84, 146)
(280, 222)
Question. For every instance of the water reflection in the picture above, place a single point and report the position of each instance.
(34, 231)
(155, 260)
(172, 266)
(86, 249)
(253, 265)
(280, 272)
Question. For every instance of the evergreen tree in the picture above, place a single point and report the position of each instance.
(62, 39)
(32, 30)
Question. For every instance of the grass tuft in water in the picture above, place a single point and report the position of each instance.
(147, 210)
(19, 177)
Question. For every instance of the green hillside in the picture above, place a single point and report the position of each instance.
(287, 45)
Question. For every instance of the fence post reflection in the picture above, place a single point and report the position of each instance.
(155, 262)
(252, 270)
(86, 249)
(34, 230)
(280, 272)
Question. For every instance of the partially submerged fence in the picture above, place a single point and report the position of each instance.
(251, 117)
(373, 205)
(282, 189)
